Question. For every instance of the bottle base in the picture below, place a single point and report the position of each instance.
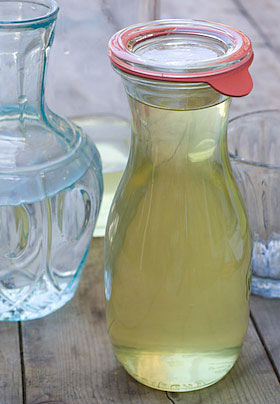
(265, 287)
(28, 312)
(177, 372)
(25, 315)
(44, 299)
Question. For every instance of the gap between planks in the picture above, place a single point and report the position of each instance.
(267, 351)
(22, 366)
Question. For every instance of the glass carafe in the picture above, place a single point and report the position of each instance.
(178, 245)
(50, 174)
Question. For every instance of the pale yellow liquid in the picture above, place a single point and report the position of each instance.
(177, 255)
(110, 183)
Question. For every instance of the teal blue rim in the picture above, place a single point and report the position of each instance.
(52, 9)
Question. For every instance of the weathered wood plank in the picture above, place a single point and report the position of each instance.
(264, 16)
(10, 365)
(69, 359)
(265, 71)
(266, 315)
(251, 381)
(68, 356)
(224, 11)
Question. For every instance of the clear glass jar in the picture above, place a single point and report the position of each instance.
(254, 145)
(86, 89)
(50, 174)
(178, 245)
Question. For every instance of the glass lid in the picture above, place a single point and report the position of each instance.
(186, 51)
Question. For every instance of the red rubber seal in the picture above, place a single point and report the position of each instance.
(227, 73)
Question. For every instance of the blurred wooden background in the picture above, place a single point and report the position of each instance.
(259, 19)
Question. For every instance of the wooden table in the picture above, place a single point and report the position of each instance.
(66, 358)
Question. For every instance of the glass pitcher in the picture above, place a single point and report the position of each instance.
(50, 173)
(178, 245)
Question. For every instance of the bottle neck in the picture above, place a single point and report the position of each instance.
(23, 63)
(183, 122)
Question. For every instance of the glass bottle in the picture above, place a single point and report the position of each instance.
(50, 173)
(86, 90)
(178, 245)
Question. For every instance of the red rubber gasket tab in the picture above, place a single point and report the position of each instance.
(228, 75)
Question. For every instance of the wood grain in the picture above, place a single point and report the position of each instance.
(251, 381)
(225, 12)
(264, 16)
(265, 69)
(266, 316)
(68, 357)
(10, 365)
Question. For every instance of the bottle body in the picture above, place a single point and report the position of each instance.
(178, 246)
